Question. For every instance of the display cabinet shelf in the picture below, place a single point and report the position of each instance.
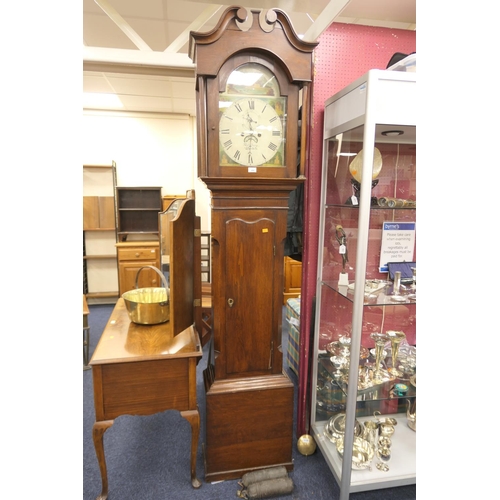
(376, 296)
(402, 465)
(361, 315)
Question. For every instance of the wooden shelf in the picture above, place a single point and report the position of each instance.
(88, 257)
(93, 295)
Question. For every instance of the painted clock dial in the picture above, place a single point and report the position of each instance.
(250, 132)
(252, 123)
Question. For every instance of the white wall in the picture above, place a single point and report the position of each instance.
(149, 149)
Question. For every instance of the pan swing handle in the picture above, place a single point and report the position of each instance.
(163, 279)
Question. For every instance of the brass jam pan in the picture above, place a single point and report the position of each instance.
(148, 306)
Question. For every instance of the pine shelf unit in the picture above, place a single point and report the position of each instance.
(100, 269)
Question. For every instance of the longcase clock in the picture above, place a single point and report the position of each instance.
(253, 76)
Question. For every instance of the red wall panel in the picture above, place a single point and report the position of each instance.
(345, 52)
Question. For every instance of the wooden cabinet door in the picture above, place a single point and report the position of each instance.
(249, 295)
(147, 277)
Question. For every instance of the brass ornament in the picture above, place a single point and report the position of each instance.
(306, 445)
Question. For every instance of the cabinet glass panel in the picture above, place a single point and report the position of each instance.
(393, 200)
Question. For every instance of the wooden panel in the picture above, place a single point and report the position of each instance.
(98, 212)
(137, 253)
(146, 387)
(182, 263)
(124, 341)
(250, 268)
(90, 212)
(131, 257)
(293, 279)
(166, 200)
(128, 273)
(106, 212)
(248, 429)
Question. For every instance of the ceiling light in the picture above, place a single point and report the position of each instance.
(392, 133)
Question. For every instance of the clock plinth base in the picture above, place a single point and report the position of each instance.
(249, 426)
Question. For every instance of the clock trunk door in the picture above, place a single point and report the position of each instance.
(249, 296)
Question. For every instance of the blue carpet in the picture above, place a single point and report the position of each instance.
(148, 458)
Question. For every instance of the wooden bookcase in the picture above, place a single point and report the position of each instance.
(138, 209)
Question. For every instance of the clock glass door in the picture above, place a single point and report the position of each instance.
(252, 119)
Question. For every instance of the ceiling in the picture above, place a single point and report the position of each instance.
(137, 52)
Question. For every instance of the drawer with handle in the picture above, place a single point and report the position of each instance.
(137, 253)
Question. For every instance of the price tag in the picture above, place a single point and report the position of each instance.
(342, 249)
(354, 200)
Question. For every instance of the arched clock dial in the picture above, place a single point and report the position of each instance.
(250, 132)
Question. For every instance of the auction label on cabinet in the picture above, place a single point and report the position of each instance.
(398, 243)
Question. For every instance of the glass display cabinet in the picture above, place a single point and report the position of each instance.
(363, 414)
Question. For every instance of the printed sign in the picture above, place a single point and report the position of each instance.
(398, 243)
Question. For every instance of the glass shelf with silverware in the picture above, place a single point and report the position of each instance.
(386, 371)
(379, 292)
